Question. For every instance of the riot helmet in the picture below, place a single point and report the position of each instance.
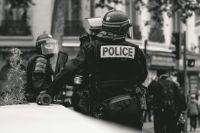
(116, 22)
(46, 44)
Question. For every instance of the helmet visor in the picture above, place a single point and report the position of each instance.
(49, 47)
(93, 24)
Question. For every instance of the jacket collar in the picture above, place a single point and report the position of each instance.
(108, 36)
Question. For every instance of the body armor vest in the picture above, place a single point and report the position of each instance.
(114, 69)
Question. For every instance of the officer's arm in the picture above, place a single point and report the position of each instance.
(38, 72)
(141, 67)
(66, 74)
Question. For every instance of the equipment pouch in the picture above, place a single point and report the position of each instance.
(118, 108)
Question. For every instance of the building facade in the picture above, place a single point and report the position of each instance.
(15, 31)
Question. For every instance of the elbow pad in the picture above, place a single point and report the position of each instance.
(40, 65)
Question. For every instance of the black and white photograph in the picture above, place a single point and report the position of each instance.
(100, 66)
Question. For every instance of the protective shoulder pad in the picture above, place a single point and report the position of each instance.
(32, 60)
(41, 59)
(40, 64)
(84, 37)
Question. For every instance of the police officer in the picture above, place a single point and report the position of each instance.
(116, 67)
(78, 100)
(168, 103)
(39, 70)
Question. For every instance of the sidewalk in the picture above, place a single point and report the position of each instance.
(197, 131)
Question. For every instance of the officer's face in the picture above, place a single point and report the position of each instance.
(49, 47)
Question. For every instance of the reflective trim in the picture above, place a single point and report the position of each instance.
(120, 98)
(116, 23)
(117, 51)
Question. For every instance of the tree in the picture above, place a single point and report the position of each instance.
(13, 93)
(106, 3)
(58, 20)
(58, 25)
(185, 9)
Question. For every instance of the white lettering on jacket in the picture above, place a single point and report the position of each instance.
(117, 51)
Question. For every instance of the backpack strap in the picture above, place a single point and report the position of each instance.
(168, 101)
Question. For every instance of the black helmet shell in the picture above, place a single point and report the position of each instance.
(116, 22)
(41, 39)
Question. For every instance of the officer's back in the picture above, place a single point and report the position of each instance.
(117, 67)
(108, 56)
(117, 64)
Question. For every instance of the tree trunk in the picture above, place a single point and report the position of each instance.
(58, 25)
(58, 20)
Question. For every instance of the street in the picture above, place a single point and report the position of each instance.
(148, 127)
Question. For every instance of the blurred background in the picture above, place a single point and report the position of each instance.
(159, 28)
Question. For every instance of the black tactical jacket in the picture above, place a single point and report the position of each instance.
(106, 69)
